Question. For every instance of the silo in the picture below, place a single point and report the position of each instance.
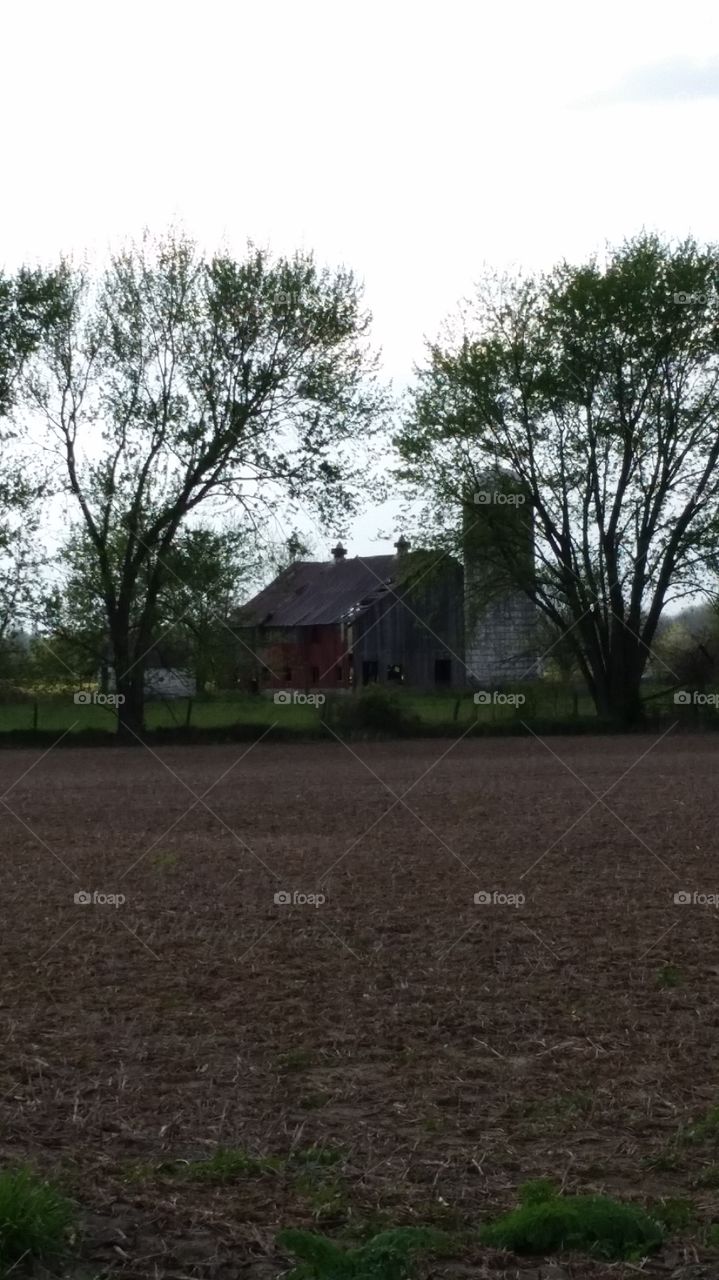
(498, 546)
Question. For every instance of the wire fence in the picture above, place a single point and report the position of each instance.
(298, 709)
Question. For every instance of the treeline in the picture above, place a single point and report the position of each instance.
(166, 405)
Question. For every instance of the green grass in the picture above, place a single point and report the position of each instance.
(34, 1220)
(318, 1157)
(223, 1166)
(547, 1222)
(390, 1255)
(712, 1235)
(707, 1127)
(669, 976)
(326, 1197)
(296, 1060)
(547, 702)
(312, 1101)
(58, 711)
(673, 1213)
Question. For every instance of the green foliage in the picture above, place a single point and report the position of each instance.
(707, 1127)
(712, 1236)
(34, 1219)
(378, 710)
(177, 382)
(227, 1164)
(669, 976)
(674, 1213)
(547, 1222)
(387, 1256)
(318, 1156)
(537, 1191)
(327, 1197)
(296, 1059)
(553, 387)
(224, 1165)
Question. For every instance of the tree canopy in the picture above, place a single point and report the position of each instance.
(173, 382)
(594, 391)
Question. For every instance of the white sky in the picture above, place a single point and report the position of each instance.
(414, 142)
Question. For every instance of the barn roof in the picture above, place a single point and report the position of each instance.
(320, 592)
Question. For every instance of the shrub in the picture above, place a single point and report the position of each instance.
(34, 1219)
(546, 1222)
(377, 709)
(387, 1256)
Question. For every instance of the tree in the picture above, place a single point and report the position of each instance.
(206, 570)
(30, 301)
(174, 383)
(687, 645)
(594, 391)
(203, 573)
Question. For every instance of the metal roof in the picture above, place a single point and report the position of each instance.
(320, 592)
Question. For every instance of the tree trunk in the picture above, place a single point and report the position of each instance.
(129, 685)
(617, 693)
(131, 711)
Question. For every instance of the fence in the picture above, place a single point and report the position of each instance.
(544, 701)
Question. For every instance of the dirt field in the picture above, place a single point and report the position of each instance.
(449, 1049)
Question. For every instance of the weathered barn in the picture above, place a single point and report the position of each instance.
(346, 622)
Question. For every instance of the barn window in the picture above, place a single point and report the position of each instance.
(395, 673)
(369, 672)
(442, 670)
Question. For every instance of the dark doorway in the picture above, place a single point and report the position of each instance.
(395, 673)
(369, 672)
(443, 671)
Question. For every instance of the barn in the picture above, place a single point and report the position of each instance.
(344, 623)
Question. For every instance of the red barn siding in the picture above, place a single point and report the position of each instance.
(307, 652)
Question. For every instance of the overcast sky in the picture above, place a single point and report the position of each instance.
(414, 142)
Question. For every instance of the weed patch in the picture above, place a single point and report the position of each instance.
(388, 1256)
(34, 1219)
(547, 1222)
